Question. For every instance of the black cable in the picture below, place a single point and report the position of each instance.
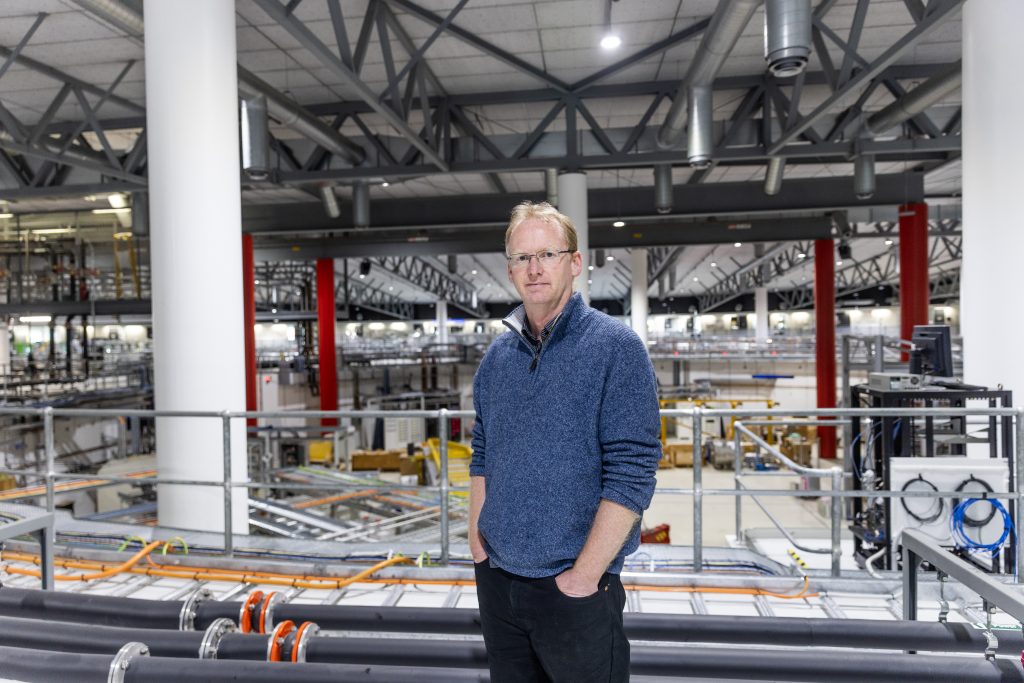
(974, 521)
(927, 485)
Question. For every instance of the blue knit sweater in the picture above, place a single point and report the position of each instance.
(553, 440)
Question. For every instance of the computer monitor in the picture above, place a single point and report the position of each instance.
(933, 351)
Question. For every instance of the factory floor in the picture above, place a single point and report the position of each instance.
(719, 511)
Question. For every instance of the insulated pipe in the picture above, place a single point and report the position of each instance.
(864, 176)
(728, 22)
(663, 188)
(787, 36)
(279, 107)
(361, 204)
(330, 201)
(700, 144)
(782, 631)
(255, 138)
(140, 214)
(551, 186)
(773, 175)
(916, 101)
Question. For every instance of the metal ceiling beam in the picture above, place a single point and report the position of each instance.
(936, 16)
(58, 75)
(326, 57)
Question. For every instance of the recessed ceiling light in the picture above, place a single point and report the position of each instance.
(273, 310)
(473, 272)
(738, 244)
(610, 41)
(590, 282)
(385, 184)
(801, 255)
(391, 288)
(888, 242)
(590, 267)
(610, 258)
(839, 262)
(714, 265)
(619, 224)
(696, 279)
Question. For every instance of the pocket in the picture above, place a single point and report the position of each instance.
(601, 587)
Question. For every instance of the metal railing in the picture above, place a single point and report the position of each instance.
(697, 492)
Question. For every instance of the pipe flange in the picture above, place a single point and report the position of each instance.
(123, 659)
(275, 643)
(249, 609)
(189, 609)
(265, 623)
(211, 638)
(306, 632)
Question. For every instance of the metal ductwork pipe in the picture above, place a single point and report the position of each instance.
(916, 101)
(361, 204)
(551, 186)
(864, 176)
(255, 138)
(731, 17)
(140, 214)
(773, 175)
(599, 258)
(787, 36)
(453, 263)
(280, 108)
(330, 200)
(701, 139)
(663, 188)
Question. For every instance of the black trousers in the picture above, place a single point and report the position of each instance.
(534, 632)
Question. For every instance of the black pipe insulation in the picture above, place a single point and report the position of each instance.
(778, 631)
(43, 666)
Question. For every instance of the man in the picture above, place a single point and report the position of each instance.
(565, 450)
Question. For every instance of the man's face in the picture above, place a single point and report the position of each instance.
(542, 284)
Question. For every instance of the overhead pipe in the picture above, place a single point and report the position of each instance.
(137, 613)
(361, 204)
(330, 201)
(255, 137)
(287, 112)
(787, 36)
(773, 175)
(728, 22)
(916, 101)
(864, 175)
(551, 185)
(663, 188)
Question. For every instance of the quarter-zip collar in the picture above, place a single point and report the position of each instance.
(517, 322)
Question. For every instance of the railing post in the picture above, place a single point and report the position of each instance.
(738, 472)
(229, 544)
(442, 433)
(837, 520)
(698, 491)
(1018, 515)
(48, 449)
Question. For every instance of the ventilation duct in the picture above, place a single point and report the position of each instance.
(663, 188)
(725, 28)
(255, 138)
(140, 214)
(453, 263)
(916, 101)
(864, 176)
(551, 185)
(330, 200)
(701, 139)
(787, 36)
(599, 258)
(773, 176)
(361, 204)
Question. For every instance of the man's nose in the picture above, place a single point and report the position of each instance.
(534, 267)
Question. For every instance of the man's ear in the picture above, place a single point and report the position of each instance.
(577, 263)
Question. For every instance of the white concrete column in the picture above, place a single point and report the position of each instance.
(442, 322)
(638, 292)
(196, 254)
(5, 348)
(572, 201)
(992, 149)
(761, 332)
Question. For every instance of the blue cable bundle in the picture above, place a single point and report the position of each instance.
(956, 526)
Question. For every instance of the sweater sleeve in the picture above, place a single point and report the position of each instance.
(476, 465)
(629, 427)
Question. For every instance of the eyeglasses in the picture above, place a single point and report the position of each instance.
(546, 257)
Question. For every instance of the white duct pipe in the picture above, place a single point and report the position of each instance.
(773, 175)
(551, 186)
(864, 176)
(361, 204)
(787, 36)
(255, 138)
(916, 101)
(330, 201)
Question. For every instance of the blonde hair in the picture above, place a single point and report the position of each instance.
(544, 212)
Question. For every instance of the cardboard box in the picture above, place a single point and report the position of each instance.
(411, 467)
(666, 462)
(387, 461)
(682, 454)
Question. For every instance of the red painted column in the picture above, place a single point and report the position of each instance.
(325, 314)
(914, 291)
(249, 301)
(825, 336)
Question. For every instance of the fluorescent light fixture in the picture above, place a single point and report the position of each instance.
(121, 210)
(738, 244)
(619, 224)
(50, 231)
(117, 200)
(376, 326)
(34, 319)
(6, 215)
(611, 41)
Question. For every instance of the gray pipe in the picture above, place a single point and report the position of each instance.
(773, 175)
(255, 138)
(330, 201)
(140, 214)
(280, 108)
(916, 101)
(787, 36)
(551, 185)
(663, 188)
(701, 128)
(864, 176)
(728, 22)
(361, 204)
